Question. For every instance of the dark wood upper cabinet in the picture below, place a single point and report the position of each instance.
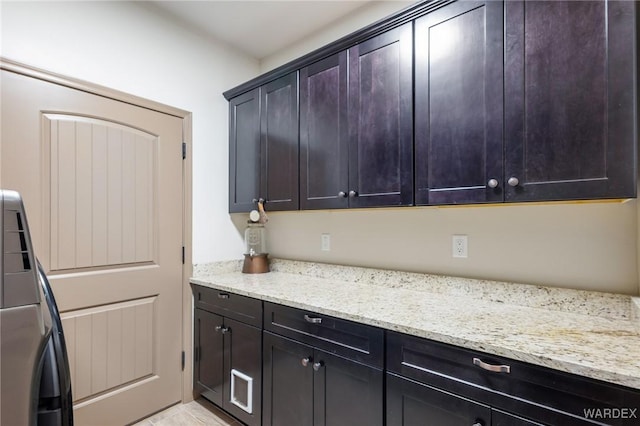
(381, 120)
(458, 104)
(570, 100)
(324, 134)
(244, 151)
(279, 143)
(263, 147)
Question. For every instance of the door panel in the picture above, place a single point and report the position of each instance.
(102, 184)
(102, 193)
(575, 137)
(459, 104)
(244, 151)
(346, 392)
(279, 143)
(380, 120)
(209, 369)
(324, 155)
(288, 385)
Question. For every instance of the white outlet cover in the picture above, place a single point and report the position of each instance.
(325, 242)
(460, 246)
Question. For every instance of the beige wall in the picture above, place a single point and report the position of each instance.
(359, 18)
(588, 246)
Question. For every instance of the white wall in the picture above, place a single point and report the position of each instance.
(354, 21)
(131, 47)
(580, 245)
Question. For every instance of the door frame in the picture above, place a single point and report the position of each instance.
(186, 116)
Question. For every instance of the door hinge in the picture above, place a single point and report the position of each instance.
(183, 255)
(184, 360)
(184, 150)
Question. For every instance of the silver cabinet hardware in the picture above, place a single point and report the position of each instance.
(491, 367)
(313, 320)
(493, 183)
(318, 365)
(218, 327)
(342, 194)
(305, 361)
(225, 330)
(223, 296)
(353, 194)
(513, 181)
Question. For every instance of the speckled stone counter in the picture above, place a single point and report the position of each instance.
(592, 334)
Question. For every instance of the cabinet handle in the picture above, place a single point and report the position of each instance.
(318, 365)
(353, 194)
(491, 367)
(513, 181)
(305, 361)
(259, 200)
(342, 194)
(493, 183)
(312, 320)
(223, 296)
(225, 330)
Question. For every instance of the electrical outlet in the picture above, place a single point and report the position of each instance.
(460, 246)
(325, 242)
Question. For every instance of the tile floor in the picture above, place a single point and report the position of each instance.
(194, 413)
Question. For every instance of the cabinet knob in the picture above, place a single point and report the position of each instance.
(318, 365)
(305, 361)
(342, 194)
(353, 194)
(513, 181)
(478, 423)
(259, 200)
(225, 330)
(493, 183)
(218, 327)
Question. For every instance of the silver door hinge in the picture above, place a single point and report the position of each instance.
(183, 360)
(184, 150)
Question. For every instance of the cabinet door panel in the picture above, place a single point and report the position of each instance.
(410, 403)
(347, 393)
(380, 120)
(209, 372)
(288, 385)
(569, 119)
(458, 91)
(243, 352)
(279, 140)
(244, 151)
(324, 133)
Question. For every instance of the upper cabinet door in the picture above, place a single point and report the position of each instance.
(458, 104)
(244, 151)
(381, 120)
(569, 100)
(324, 156)
(279, 143)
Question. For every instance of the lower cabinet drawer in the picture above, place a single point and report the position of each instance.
(537, 393)
(362, 343)
(230, 305)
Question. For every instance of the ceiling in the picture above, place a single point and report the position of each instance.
(258, 28)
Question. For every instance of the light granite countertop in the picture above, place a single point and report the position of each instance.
(591, 334)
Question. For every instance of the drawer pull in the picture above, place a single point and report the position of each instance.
(223, 296)
(313, 320)
(318, 365)
(305, 361)
(490, 367)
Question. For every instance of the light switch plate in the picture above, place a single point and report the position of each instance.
(325, 242)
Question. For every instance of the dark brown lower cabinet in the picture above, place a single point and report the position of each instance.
(410, 403)
(227, 369)
(306, 386)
